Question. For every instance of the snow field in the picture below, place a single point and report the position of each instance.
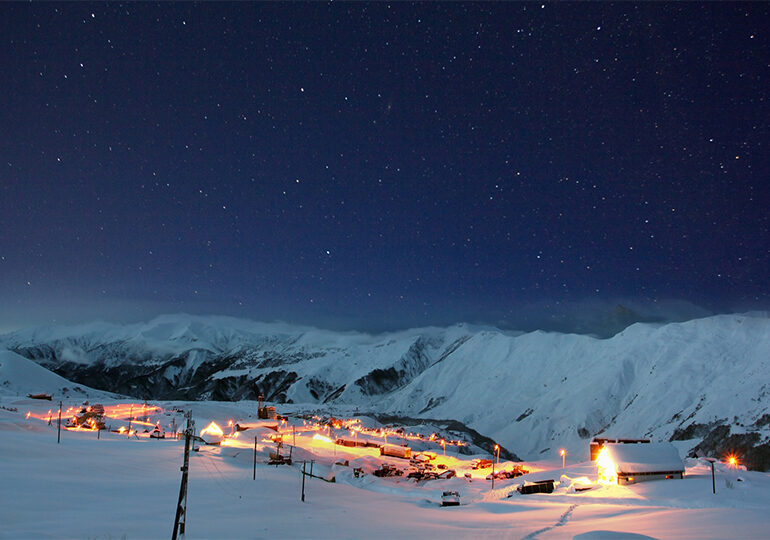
(120, 487)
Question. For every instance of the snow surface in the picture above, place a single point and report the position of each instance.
(20, 376)
(644, 457)
(127, 487)
(533, 393)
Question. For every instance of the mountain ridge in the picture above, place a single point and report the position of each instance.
(654, 380)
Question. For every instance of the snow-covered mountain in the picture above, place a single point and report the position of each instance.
(20, 376)
(704, 380)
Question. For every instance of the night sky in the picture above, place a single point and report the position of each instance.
(380, 166)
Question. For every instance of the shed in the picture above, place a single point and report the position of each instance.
(540, 486)
(642, 462)
(346, 441)
(396, 451)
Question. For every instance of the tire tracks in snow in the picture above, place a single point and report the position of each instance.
(561, 521)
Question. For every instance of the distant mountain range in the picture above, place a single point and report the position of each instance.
(705, 380)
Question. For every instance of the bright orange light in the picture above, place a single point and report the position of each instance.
(212, 429)
(732, 460)
(124, 410)
(497, 447)
(605, 468)
(562, 452)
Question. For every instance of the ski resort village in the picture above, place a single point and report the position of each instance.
(384, 270)
(80, 462)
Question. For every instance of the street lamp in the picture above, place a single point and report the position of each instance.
(443, 443)
(711, 460)
(497, 449)
(563, 454)
(732, 465)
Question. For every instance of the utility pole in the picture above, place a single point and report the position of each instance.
(303, 480)
(181, 506)
(58, 426)
(130, 416)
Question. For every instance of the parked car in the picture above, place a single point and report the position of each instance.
(450, 498)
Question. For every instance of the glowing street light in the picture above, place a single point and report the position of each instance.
(732, 465)
(497, 449)
(443, 443)
(563, 454)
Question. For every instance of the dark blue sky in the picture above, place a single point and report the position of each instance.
(381, 165)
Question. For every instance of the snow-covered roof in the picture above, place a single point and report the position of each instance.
(645, 457)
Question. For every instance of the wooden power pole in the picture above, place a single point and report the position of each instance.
(181, 506)
(304, 463)
(58, 426)
(254, 476)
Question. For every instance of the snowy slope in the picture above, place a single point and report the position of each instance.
(20, 376)
(534, 392)
(646, 381)
(114, 486)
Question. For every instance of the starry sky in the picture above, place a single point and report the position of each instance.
(382, 165)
